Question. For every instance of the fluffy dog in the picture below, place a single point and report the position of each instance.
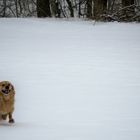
(7, 99)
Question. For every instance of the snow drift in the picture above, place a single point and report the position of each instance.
(74, 80)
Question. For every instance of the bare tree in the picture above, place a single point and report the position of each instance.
(89, 8)
(4, 8)
(16, 6)
(70, 8)
(55, 8)
(43, 8)
(100, 7)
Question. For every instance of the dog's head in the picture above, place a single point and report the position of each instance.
(6, 89)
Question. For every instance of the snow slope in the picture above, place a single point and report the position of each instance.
(74, 80)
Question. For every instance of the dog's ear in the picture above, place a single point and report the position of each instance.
(13, 89)
(0, 85)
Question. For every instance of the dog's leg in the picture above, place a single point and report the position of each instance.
(11, 120)
(4, 117)
(0, 117)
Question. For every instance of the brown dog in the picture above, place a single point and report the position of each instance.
(7, 95)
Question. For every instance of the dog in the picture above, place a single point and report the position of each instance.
(7, 100)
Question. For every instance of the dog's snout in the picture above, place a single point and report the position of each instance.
(7, 87)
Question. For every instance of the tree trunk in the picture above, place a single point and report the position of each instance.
(55, 7)
(20, 6)
(16, 5)
(43, 8)
(70, 8)
(100, 7)
(89, 8)
(4, 8)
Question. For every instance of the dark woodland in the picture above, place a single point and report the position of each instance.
(99, 10)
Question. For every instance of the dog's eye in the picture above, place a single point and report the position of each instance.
(3, 85)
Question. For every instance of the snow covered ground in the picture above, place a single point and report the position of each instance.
(74, 80)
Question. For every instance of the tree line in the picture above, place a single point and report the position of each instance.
(103, 10)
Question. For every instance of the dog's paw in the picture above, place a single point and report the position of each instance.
(11, 121)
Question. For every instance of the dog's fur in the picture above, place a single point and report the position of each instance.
(7, 99)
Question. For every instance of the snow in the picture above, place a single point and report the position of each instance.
(74, 80)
